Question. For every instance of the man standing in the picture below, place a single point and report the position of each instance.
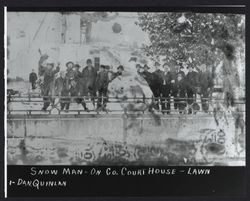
(70, 73)
(101, 84)
(166, 87)
(33, 79)
(180, 93)
(157, 80)
(206, 85)
(77, 73)
(48, 85)
(89, 74)
(76, 87)
(177, 71)
(62, 89)
(192, 81)
(77, 78)
(70, 76)
(147, 75)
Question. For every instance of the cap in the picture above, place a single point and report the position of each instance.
(69, 62)
(179, 74)
(77, 66)
(107, 67)
(89, 61)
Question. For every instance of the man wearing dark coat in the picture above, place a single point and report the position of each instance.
(48, 84)
(148, 76)
(166, 88)
(180, 92)
(76, 87)
(88, 78)
(88, 81)
(192, 82)
(33, 79)
(70, 79)
(101, 86)
(77, 73)
(62, 88)
(70, 73)
(177, 71)
(157, 83)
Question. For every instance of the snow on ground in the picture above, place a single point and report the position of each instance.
(52, 151)
(27, 36)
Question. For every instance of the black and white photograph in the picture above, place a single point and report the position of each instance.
(126, 88)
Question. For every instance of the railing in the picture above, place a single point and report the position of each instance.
(102, 100)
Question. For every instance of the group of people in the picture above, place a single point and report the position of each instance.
(173, 82)
(73, 84)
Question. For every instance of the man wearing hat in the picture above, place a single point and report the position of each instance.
(147, 76)
(158, 72)
(69, 64)
(62, 89)
(101, 86)
(192, 82)
(70, 73)
(157, 82)
(48, 85)
(166, 87)
(33, 79)
(70, 76)
(119, 72)
(89, 74)
(107, 68)
(76, 87)
(77, 74)
(180, 93)
(177, 71)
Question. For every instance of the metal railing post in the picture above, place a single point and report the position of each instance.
(160, 103)
(156, 101)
